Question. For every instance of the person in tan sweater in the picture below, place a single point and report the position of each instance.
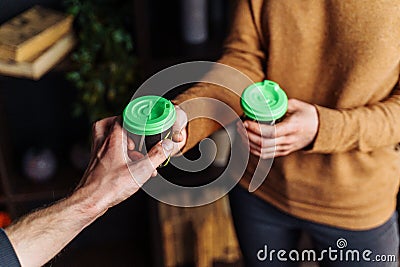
(337, 164)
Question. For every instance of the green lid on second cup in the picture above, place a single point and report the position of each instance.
(264, 101)
(149, 115)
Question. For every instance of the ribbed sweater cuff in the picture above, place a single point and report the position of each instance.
(8, 257)
(328, 139)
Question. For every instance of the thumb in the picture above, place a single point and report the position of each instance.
(179, 125)
(293, 105)
(142, 170)
(160, 152)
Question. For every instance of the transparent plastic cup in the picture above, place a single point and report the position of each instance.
(148, 120)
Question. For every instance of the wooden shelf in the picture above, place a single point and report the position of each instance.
(63, 182)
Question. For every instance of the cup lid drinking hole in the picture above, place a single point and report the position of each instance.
(264, 101)
(149, 115)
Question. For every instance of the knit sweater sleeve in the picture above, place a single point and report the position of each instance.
(243, 52)
(8, 257)
(364, 128)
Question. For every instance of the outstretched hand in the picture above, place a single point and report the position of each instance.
(111, 176)
(109, 179)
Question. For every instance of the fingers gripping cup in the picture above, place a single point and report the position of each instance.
(148, 120)
(264, 102)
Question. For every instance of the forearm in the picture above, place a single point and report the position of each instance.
(39, 236)
(364, 128)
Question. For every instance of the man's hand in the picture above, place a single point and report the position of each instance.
(109, 178)
(39, 236)
(295, 132)
(179, 133)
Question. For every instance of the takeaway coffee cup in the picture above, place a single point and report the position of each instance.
(264, 102)
(148, 120)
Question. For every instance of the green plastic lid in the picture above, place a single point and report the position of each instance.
(264, 101)
(149, 115)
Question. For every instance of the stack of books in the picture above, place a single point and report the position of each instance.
(34, 42)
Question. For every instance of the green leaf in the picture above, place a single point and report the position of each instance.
(106, 65)
(73, 76)
(118, 36)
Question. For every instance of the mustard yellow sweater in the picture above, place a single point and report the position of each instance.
(342, 56)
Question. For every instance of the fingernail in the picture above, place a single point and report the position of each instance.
(246, 124)
(167, 145)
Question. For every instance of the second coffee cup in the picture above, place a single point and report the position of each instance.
(264, 102)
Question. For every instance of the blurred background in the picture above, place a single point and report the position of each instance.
(45, 125)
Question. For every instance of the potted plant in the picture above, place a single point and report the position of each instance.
(105, 72)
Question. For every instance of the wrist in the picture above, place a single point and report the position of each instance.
(89, 202)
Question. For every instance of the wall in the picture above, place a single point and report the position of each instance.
(10, 8)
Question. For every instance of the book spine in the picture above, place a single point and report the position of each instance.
(41, 65)
(6, 53)
(34, 46)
